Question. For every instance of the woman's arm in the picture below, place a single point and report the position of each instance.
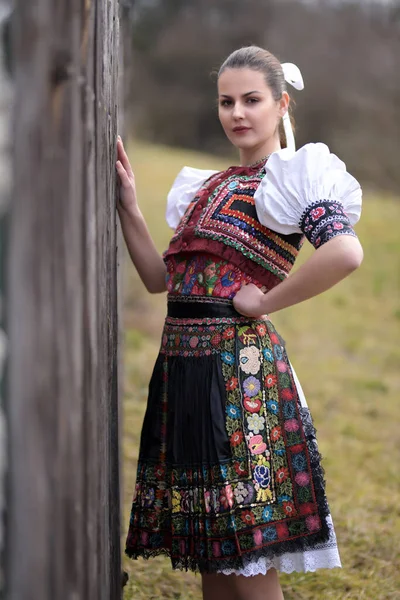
(146, 258)
(331, 263)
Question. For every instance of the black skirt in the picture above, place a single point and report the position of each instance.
(229, 470)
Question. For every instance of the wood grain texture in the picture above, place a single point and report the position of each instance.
(64, 517)
(5, 187)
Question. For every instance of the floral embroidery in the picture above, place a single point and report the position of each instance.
(249, 360)
(205, 275)
(255, 423)
(248, 517)
(252, 405)
(323, 220)
(236, 438)
(270, 381)
(268, 355)
(251, 386)
(240, 493)
(228, 358)
(231, 384)
(316, 213)
(233, 411)
(275, 434)
(226, 497)
(265, 493)
(257, 445)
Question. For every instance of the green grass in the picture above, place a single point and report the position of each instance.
(345, 348)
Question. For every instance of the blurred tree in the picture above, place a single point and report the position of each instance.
(348, 53)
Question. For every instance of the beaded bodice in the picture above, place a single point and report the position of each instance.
(222, 220)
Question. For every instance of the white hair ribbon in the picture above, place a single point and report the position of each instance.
(293, 76)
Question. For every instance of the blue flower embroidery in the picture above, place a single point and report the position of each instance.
(280, 451)
(299, 462)
(228, 547)
(227, 358)
(268, 355)
(289, 410)
(228, 279)
(284, 498)
(261, 475)
(278, 352)
(267, 514)
(233, 411)
(224, 471)
(273, 406)
(270, 534)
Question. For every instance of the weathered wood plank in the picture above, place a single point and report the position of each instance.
(64, 516)
(5, 185)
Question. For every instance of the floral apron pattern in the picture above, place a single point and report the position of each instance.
(267, 496)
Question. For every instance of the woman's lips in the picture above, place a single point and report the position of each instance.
(240, 129)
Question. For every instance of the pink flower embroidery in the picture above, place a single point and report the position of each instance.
(257, 445)
(337, 225)
(313, 523)
(317, 213)
(193, 341)
(291, 425)
(281, 366)
(226, 497)
(302, 478)
(257, 536)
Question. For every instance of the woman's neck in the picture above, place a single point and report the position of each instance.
(250, 156)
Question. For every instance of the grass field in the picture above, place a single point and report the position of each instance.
(345, 347)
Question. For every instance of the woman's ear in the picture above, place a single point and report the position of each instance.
(284, 104)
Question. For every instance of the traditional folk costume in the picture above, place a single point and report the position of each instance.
(229, 476)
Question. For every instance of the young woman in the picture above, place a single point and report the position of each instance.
(229, 479)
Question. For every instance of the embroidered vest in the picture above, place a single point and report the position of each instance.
(222, 220)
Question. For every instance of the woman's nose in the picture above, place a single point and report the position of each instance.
(237, 111)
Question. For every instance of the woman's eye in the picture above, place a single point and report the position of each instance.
(252, 100)
(226, 102)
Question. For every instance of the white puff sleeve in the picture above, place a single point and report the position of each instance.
(184, 188)
(310, 192)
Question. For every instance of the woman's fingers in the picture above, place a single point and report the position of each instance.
(123, 175)
(123, 157)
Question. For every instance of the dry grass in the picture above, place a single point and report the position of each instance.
(345, 348)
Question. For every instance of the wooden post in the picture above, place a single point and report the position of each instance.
(5, 183)
(64, 507)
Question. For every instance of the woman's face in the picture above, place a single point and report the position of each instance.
(247, 110)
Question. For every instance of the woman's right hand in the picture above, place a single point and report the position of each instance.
(127, 197)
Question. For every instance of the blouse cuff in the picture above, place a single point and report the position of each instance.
(323, 220)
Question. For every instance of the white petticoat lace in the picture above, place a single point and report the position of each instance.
(323, 556)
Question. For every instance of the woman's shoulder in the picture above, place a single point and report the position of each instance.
(184, 188)
(296, 181)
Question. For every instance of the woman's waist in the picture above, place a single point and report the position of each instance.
(204, 325)
(206, 307)
(201, 306)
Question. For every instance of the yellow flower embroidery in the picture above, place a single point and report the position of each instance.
(264, 495)
(176, 501)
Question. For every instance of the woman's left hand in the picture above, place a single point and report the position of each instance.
(248, 301)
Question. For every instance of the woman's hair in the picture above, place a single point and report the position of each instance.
(258, 59)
